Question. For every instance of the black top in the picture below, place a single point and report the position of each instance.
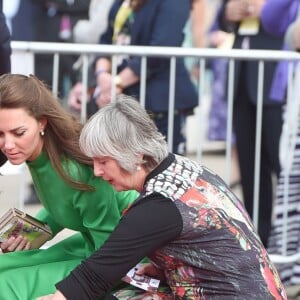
(127, 245)
(191, 226)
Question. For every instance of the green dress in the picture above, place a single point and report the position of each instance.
(27, 274)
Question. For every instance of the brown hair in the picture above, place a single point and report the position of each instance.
(61, 136)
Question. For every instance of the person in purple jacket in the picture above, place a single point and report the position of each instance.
(283, 18)
(277, 17)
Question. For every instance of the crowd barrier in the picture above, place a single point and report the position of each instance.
(203, 55)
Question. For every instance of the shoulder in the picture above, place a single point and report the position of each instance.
(77, 170)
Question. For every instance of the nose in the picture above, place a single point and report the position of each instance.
(98, 171)
(8, 143)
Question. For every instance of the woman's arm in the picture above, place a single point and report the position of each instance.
(276, 15)
(142, 230)
(45, 217)
(292, 36)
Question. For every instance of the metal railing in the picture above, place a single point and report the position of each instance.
(202, 54)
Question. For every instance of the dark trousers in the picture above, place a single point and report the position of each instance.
(244, 122)
(179, 129)
(5, 52)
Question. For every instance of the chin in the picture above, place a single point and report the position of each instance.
(16, 161)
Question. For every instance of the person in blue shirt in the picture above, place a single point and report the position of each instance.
(149, 23)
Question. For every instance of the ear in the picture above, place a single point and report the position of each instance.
(43, 123)
(140, 158)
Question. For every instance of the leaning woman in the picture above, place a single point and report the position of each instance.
(35, 129)
(196, 232)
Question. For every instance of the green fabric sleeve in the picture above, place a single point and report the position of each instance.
(45, 217)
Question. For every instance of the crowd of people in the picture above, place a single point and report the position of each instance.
(116, 182)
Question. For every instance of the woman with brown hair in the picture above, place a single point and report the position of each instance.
(34, 128)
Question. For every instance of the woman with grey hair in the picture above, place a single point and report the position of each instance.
(194, 230)
(126, 139)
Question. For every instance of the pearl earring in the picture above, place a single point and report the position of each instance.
(42, 132)
(138, 168)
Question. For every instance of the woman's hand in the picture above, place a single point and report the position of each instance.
(56, 296)
(75, 96)
(15, 244)
(254, 8)
(106, 84)
(236, 10)
(151, 271)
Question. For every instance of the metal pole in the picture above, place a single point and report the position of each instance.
(171, 102)
(228, 162)
(85, 67)
(55, 75)
(143, 81)
(259, 117)
(201, 87)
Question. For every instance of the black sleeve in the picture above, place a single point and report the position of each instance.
(150, 224)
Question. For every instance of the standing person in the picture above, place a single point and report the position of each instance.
(193, 228)
(219, 71)
(55, 24)
(5, 52)
(88, 31)
(280, 19)
(149, 23)
(24, 21)
(34, 128)
(5, 49)
(194, 32)
(217, 116)
(234, 17)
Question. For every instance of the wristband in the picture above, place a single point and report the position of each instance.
(118, 82)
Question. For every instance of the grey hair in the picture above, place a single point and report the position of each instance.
(124, 131)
